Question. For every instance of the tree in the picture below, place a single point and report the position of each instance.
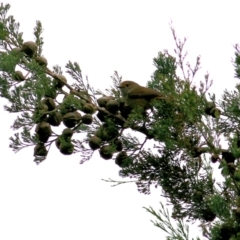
(186, 129)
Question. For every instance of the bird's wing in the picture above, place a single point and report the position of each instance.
(144, 93)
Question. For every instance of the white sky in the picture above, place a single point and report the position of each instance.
(60, 199)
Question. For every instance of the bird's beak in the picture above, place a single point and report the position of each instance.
(119, 87)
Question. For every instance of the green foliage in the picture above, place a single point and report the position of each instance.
(178, 232)
(185, 129)
(219, 205)
(237, 61)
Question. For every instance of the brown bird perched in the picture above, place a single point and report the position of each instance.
(135, 95)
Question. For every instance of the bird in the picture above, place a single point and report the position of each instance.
(135, 95)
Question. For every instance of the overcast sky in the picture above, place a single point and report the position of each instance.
(60, 199)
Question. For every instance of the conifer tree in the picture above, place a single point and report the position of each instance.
(185, 129)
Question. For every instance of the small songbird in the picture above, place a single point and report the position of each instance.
(135, 95)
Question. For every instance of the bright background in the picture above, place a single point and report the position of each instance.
(60, 199)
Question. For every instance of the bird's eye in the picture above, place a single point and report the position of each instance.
(127, 85)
